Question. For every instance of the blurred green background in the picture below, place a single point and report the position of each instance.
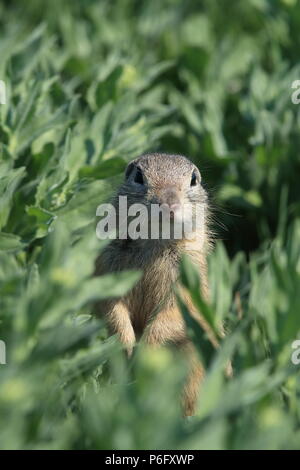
(90, 85)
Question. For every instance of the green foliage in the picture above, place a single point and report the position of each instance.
(90, 85)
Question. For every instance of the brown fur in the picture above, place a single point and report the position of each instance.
(149, 312)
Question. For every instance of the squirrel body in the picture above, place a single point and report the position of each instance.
(149, 312)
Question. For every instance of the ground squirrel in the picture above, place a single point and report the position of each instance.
(149, 312)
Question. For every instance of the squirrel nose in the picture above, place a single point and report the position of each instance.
(171, 199)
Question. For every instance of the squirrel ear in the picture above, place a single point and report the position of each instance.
(129, 169)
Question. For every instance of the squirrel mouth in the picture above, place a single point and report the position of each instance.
(172, 210)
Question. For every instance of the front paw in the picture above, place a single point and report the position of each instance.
(128, 342)
(129, 351)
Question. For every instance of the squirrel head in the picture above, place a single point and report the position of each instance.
(161, 178)
(172, 182)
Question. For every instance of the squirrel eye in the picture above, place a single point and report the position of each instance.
(138, 178)
(194, 179)
(129, 170)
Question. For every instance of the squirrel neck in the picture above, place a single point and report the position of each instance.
(140, 254)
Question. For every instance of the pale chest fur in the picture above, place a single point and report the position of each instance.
(159, 265)
(154, 290)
